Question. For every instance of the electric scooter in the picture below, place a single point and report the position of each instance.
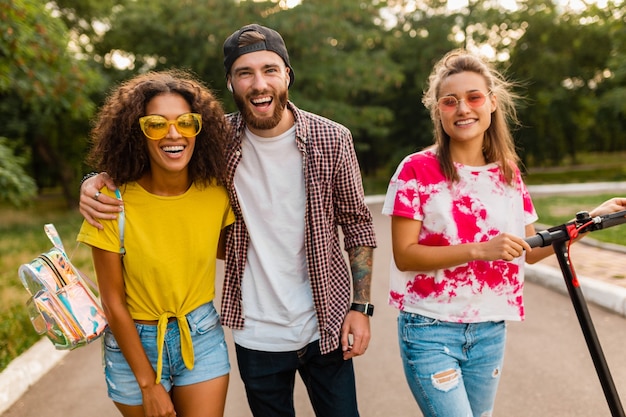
(557, 237)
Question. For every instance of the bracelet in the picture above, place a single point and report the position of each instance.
(87, 176)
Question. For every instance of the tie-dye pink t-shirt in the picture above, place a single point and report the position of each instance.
(475, 209)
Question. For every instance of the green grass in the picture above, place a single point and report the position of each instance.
(578, 175)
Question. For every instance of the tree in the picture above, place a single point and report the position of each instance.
(608, 131)
(337, 50)
(561, 57)
(362, 63)
(421, 35)
(341, 56)
(44, 94)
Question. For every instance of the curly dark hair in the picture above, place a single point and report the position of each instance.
(119, 145)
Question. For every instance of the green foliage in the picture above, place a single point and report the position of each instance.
(333, 60)
(45, 93)
(37, 66)
(562, 101)
(332, 57)
(83, 16)
(162, 34)
(16, 187)
(417, 41)
(362, 63)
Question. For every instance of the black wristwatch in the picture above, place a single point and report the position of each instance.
(367, 308)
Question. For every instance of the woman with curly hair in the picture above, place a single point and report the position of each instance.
(161, 138)
(459, 214)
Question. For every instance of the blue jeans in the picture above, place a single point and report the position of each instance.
(453, 369)
(269, 379)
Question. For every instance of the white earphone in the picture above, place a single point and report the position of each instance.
(230, 87)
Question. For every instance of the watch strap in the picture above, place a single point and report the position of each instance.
(367, 308)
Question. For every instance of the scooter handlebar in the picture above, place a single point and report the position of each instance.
(613, 219)
(535, 241)
(546, 237)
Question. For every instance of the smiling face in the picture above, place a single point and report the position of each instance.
(260, 83)
(466, 124)
(172, 153)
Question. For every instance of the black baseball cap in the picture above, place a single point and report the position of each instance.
(273, 42)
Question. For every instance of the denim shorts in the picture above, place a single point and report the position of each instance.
(210, 353)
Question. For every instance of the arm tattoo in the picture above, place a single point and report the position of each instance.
(361, 258)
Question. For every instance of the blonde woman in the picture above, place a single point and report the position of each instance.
(459, 213)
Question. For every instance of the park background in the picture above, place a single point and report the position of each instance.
(361, 63)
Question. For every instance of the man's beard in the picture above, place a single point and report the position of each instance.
(262, 123)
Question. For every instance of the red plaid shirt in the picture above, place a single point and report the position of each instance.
(334, 197)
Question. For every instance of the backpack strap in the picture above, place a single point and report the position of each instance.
(53, 235)
(120, 222)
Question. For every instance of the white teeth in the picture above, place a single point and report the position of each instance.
(173, 148)
(464, 122)
(262, 100)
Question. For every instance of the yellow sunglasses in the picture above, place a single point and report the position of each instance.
(155, 127)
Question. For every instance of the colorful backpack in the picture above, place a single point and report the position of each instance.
(62, 304)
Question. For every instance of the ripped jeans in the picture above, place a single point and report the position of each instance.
(453, 369)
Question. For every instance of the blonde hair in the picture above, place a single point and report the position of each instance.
(498, 144)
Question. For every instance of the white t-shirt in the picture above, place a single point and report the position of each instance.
(477, 208)
(277, 299)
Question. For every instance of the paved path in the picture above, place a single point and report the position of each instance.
(548, 370)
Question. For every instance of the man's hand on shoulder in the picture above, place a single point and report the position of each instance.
(95, 205)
